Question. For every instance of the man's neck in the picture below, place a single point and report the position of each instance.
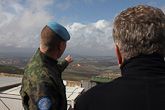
(51, 54)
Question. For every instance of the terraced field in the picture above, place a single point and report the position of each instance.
(86, 68)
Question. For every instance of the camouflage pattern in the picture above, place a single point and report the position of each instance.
(42, 78)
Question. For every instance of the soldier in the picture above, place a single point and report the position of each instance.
(42, 86)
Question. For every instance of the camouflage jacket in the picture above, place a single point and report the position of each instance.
(42, 79)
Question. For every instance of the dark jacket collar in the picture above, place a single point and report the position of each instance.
(145, 66)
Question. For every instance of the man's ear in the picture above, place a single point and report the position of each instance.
(60, 45)
(118, 54)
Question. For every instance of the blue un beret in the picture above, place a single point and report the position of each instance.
(59, 30)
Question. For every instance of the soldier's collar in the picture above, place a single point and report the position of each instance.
(46, 57)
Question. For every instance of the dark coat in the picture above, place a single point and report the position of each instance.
(141, 87)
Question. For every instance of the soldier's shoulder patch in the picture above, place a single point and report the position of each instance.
(44, 103)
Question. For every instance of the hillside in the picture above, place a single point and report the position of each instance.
(10, 69)
(83, 67)
(86, 68)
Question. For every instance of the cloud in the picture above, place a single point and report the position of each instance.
(21, 23)
(91, 38)
(163, 8)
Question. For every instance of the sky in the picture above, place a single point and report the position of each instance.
(89, 22)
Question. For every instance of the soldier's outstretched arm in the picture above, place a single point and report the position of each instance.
(64, 63)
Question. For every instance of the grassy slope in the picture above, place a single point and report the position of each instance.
(10, 69)
(88, 69)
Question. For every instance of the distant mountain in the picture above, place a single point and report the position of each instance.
(13, 60)
(18, 54)
(83, 67)
(30, 54)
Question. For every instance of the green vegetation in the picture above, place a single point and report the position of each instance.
(83, 68)
(101, 80)
(79, 73)
(10, 69)
(86, 68)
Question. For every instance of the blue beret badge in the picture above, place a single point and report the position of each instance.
(44, 103)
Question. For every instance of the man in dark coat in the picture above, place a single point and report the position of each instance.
(139, 35)
(42, 86)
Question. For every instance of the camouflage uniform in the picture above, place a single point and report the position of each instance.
(42, 78)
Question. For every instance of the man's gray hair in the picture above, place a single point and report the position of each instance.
(140, 30)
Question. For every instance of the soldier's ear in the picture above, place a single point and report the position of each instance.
(118, 54)
(61, 45)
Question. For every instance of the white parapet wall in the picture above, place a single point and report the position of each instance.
(11, 100)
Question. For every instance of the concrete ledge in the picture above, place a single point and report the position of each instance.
(9, 86)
